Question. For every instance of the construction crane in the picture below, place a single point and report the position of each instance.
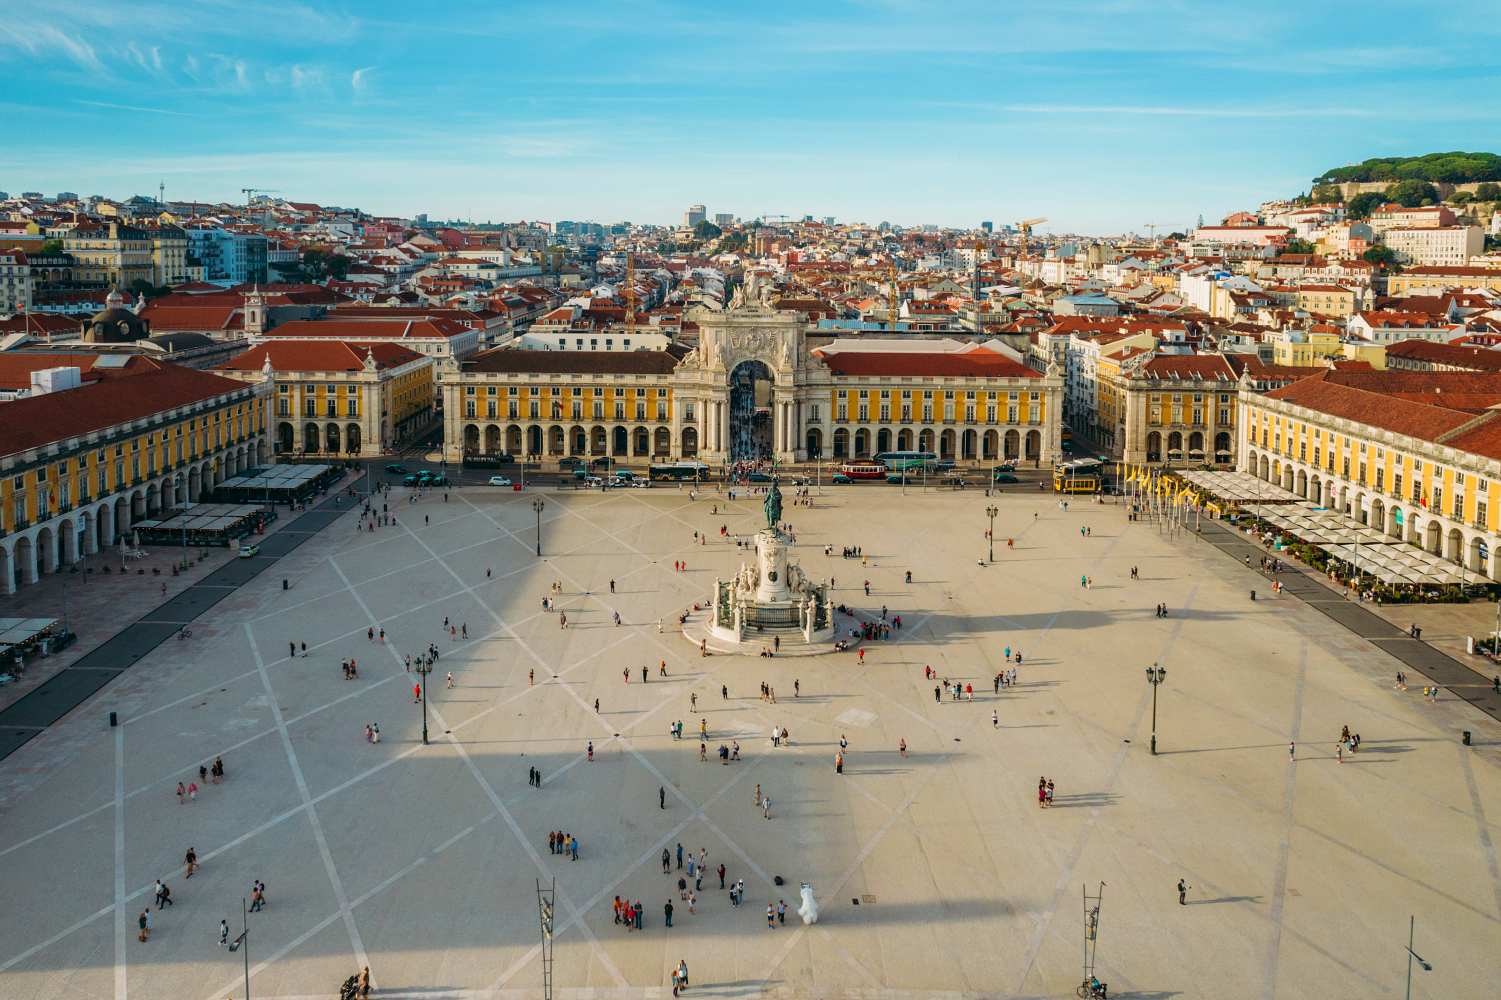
(893, 295)
(1151, 228)
(250, 193)
(630, 294)
(1026, 226)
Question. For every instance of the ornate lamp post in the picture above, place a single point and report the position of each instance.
(1155, 676)
(991, 512)
(537, 506)
(424, 667)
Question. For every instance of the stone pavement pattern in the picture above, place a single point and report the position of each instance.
(422, 861)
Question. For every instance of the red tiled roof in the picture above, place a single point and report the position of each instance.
(38, 324)
(506, 359)
(1189, 366)
(212, 316)
(320, 356)
(1424, 405)
(38, 420)
(1476, 358)
(366, 329)
(977, 363)
(16, 366)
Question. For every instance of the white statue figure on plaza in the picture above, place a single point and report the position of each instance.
(809, 910)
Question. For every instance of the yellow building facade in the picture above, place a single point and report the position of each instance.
(71, 484)
(1438, 496)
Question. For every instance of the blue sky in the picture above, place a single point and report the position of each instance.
(1102, 116)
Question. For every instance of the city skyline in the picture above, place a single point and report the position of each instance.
(1101, 117)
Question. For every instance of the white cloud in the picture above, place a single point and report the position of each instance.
(133, 107)
(36, 39)
(360, 78)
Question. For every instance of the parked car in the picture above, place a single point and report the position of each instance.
(500, 480)
(1005, 477)
(396, 469)
(623, 475)
(593, 481)
(602, 462)
(1006, 467)
(641, 483)
(840, 479)
(249, 550)
(760, 477)
(436, 479)
(411, 479)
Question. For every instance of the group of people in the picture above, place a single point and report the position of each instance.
(562, 843)
(1044, 793)
(208, 773)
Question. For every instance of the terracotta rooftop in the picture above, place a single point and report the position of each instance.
(1424, 405)
(320, 356)
(505, 360)
(370, 329)
(38, 420)
(912, 364)
(1189, 366)
(16, 366)
(1472, 358)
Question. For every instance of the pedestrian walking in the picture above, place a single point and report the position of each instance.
(995, 719)
(1292, 750)
(771, 918)
(1183, 888)
(190, 863)
(181, 793)
(721, 875)
(781, 911)
(450, 680)
(223, 933)
(667, 916)
(661, 798)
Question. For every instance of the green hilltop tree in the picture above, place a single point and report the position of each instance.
(1362, 205)
(1413, 193)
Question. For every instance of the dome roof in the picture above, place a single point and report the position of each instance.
(115, 324)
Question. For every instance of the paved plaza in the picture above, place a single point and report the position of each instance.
(936, 872)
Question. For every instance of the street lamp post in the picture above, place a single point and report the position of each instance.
(537, 506)
(1155, 676)
(1427, 966)
(424, 668)
(991, 512)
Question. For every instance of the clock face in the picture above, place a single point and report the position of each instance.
(772, 576)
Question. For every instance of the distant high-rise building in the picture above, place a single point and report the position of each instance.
(988, 226)
(722, 219)
(828, 220)
(694, 215)
(807, 218)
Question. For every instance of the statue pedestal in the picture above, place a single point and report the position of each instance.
(768, 604)
(771, 561)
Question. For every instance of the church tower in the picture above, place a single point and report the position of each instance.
(255, 313)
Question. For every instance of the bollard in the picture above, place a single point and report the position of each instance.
(284, 584)
(1464, 737)
(114, 721)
